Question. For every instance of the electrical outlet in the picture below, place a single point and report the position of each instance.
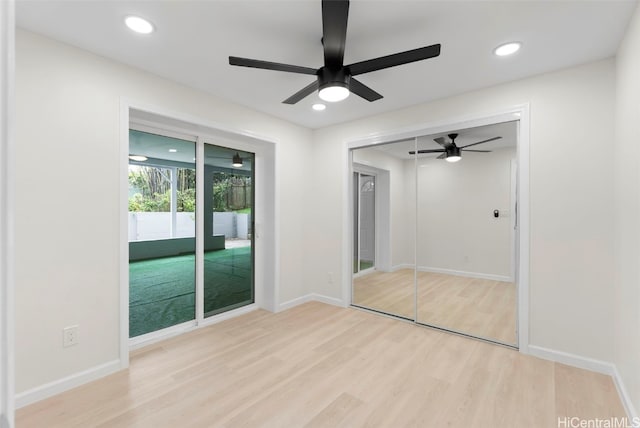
(330, 277)
(70, 336)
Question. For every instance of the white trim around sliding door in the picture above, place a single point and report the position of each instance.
(177, 124)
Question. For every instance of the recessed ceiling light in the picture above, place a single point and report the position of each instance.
(507, 49)
(138, 158)
(139, 25)
(172, 150)
(318, 107)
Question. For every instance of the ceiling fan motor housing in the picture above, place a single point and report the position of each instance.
(329, 76)
(452, 150)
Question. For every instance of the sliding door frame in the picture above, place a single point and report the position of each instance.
(383, 212)
(359, 217)
(519, 113)
(265, 257)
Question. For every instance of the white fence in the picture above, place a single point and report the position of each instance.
(145, 226)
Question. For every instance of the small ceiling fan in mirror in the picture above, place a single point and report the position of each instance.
(450, 151)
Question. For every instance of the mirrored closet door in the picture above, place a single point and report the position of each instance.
(446, 250)
(382, 184)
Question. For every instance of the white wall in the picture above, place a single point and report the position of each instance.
(572, 115)
(626, 212)
(456, 227)
(68, 156)
(6, 211)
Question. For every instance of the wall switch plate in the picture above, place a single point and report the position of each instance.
(70, 336)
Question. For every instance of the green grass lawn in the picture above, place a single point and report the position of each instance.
(162, 291)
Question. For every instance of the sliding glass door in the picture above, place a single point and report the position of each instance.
(168, 278)
(228, 229)
(162, 189)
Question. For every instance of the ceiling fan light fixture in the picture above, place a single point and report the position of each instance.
(318, 107)
(334, 93)
(507, 49)
(237, 161)
(138, 158)
(453, 153)
(139, 25)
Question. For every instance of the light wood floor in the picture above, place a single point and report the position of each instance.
(479, 307)
(322, 366)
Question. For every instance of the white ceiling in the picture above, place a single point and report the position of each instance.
(194, 39)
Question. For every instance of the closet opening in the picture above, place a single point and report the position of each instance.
(454, 235)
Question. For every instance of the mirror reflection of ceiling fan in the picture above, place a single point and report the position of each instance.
(450, 151)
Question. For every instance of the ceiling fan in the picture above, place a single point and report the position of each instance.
(335, 80)
(450, 151)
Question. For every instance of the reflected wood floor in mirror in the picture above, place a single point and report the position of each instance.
(317, 365)
(479, 307)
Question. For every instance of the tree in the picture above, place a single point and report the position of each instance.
(151, 188)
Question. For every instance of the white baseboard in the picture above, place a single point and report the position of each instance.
(311, 297)
(573, 360)
(295, 302)
(400, 267)
(479, 275)
(53, 388)
(624, 395)
(594, 365)
(328, 300)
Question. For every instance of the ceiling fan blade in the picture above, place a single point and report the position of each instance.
(266, 65)
(335, 14)
(442, 156)
(477, 151)
(307, 90)
(393, 60)
(480, 142)
(441, 141)
(412, 152)
(363, 90)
